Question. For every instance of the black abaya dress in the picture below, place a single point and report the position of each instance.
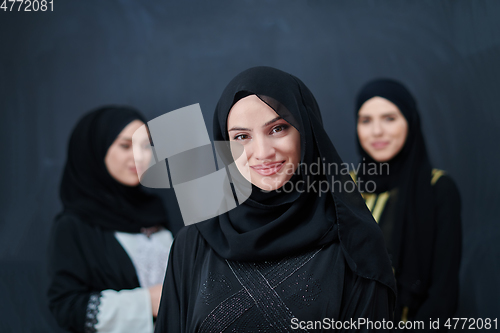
(206, 293)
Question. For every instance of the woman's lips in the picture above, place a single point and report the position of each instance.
(268, 169)
(380, 144)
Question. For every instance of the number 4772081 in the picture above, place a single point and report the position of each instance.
(27, 5)
(471, 323)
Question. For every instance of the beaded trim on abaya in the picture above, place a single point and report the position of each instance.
(92, 311)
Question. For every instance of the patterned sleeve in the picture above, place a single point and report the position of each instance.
(119, 311)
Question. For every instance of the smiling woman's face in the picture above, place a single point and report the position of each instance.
(382, 129)
(272, 145)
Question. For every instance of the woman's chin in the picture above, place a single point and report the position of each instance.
(268, 184)
(131, 182)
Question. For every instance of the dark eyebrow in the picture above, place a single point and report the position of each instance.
(247, 129)
(272, 121)
(239, 129)
(390, 113)
(125, 138)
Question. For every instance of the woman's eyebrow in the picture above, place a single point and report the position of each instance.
(239, 129)
(247, 129)
(272, 121)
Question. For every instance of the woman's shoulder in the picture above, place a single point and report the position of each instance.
(188, 233)
(444, 186)
(188, 249)
(441, 180)
(67, 222)
(437, 174)
(188, 239)
(73, 226)
(69, 235)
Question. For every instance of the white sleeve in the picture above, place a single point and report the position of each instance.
(148, 254)
(125, 311)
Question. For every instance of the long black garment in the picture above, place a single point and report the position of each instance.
(202, 292)
(84, 260)
(421, 218)
(442, 294)
(281, 256)
(84, 255)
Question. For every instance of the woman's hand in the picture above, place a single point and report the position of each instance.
(155, 293)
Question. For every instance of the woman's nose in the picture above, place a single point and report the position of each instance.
(263, 149)
(377, 129)
(137, 154)
(140, 154)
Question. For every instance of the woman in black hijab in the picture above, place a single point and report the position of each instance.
(294, 256)
(110, 244)
(417, 207)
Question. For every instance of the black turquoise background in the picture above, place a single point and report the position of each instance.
(159, 56)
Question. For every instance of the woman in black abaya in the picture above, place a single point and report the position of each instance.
(109, 246)
(417, 207)
(292, 254)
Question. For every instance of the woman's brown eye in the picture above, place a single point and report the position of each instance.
(240, 137)
(279, 128)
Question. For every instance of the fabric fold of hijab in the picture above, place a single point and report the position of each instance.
(88, 190)
(276, 224)
(409, 172)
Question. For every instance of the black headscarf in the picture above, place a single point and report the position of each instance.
(88, 190)
(277, 224)
(409, 172)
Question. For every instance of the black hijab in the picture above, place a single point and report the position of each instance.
(409, 172)
(276, 224)
(88, 190)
